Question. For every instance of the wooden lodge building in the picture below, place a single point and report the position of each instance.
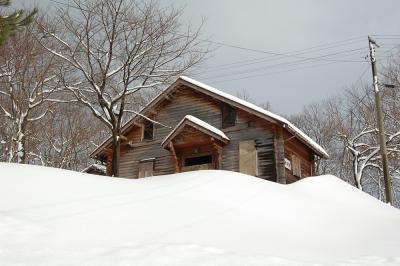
(204, 128)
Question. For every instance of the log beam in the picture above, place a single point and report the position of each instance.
(172, 149)
(280, 156)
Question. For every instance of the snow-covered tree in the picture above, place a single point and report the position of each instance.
(114, 49)
(28, 86)
(366, 154)
(346, 126)
(69, 137)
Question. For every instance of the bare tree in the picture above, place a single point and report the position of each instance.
(367, 155)
(114, 49)
(360, 135)
(345, 125)
(27, 86)
(321, 121)
(69, 136)
(244, 95)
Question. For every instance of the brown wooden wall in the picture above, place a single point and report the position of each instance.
(186, 101)
(294, 147)
(250, 127)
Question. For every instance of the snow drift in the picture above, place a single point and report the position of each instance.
(57, 217)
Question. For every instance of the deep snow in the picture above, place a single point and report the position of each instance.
(57, 217)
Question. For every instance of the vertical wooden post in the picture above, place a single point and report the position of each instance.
(172, 149)
(217, 154)
(280, 156)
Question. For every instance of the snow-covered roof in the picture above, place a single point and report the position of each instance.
(292, 128)
(96, 167)
(199, 124)
(242, 104)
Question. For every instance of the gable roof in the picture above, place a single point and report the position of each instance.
(197, 124)
(224, 97)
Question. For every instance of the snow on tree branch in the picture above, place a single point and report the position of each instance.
(113, 50)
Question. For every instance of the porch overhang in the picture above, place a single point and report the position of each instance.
(199, 125)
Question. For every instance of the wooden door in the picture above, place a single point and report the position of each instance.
(248, 157)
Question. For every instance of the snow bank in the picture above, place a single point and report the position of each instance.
(57, 217)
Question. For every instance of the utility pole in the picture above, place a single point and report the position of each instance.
(379, 114)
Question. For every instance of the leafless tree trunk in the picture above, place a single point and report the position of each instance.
(69, 137)
(28, 84)
(346, 126)
(115, 49)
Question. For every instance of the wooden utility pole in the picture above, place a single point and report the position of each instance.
(379, 114)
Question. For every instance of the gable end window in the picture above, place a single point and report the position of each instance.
(228, 115)
(148, 130)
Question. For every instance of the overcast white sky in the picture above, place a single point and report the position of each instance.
(284, 26)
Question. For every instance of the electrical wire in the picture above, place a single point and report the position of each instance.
(283, 64)
(274, 56)
(301, 51)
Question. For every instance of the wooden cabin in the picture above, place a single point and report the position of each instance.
(199, 127)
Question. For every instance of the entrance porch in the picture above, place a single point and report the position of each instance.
(195, 145)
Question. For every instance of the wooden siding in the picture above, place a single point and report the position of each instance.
(186, 101)
(305, 154)
(261, 133)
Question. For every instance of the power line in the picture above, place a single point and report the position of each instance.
(258, 60)
(277, 72)
(290, 63)
(69, 6)
(269, 52)
(303, 51)
(294, 69)
(385, 35)
(242, 63)
(265, 59)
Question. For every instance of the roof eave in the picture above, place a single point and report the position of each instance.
(131, 122)
(321, 153)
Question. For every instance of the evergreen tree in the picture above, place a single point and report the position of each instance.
(16, 20)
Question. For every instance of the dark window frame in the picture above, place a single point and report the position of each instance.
(228, 115)
(148, 130)
(198, 160)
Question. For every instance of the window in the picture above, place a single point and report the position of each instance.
(148, 130)
(146, 168)
(228, 115)
(198, 160)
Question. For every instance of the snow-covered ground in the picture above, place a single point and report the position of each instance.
(56, 217)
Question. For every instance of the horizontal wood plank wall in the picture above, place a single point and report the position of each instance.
(187, 101)
(183, 102)
(249, 127)
(129, 165)
(294, 147)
